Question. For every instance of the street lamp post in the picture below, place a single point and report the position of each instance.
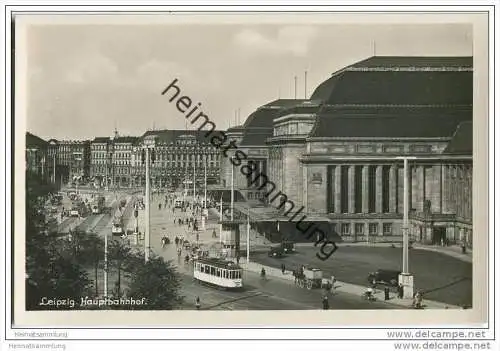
(248, 235)
(232, 187)
(54, 168)
(149, 143)
(203, 217)
(105, 264)
(405, 278)
(194, 180)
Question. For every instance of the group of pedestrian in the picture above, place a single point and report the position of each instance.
(179, 241)
(164, 241)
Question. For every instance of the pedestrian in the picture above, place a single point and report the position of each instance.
(326, 304)
(400, 290)
(159, 206)
(283, 268)
(386, 293)
(197, 302)
(214, 234)
(419, 297)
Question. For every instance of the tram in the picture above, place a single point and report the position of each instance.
(218, 272)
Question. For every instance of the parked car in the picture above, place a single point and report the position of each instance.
(288, 246)
(276, 252)
(384, 276)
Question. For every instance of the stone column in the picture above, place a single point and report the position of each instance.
(338, 188)
(351, 185)
(400, 175)
(420, 188)
(460, 193)
(469, 191)
(445, 189)
(365, 189)
(393, 189)
(378, 189)
(304, 188)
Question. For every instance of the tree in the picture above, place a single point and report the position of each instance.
(158, 281)
(91, 253)
(51, 272)
(119, 257)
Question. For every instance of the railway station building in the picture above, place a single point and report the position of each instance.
(338, 154)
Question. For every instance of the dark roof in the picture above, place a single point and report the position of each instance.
(390, 96)
(259, 125)
(284, 103)
(235, 129)
(170, 135)
(300, 109)
(416, 61)
(397, 88)
(101, 140)
(461, 143)
(251, 138)
(392, 122)
(35, 141)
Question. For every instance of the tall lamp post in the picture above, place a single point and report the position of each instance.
(405, 278)
(204, 215)
(105, 264)
(149, 144)
(232, 187)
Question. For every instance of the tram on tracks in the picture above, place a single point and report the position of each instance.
(218, 273)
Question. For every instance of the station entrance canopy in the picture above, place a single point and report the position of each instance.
(276, 227)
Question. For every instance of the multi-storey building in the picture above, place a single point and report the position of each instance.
(337, 155)
(122, 160)
(74, 158)
(179, 156)
(100, 160)
(36, 155)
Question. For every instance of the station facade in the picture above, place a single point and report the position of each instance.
(338, 154)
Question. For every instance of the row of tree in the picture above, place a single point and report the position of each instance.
(57, 266)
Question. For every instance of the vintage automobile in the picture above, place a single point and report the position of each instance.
(288, 246)
(384, 276)
(276, 252)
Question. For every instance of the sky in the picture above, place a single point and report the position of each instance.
(85, 80)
